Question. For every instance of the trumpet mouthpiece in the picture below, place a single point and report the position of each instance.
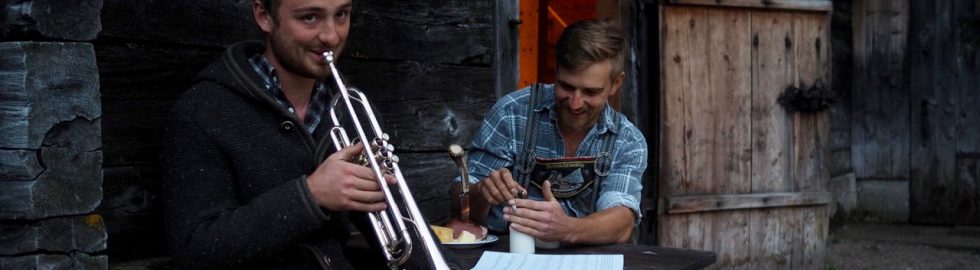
(328, 57)
(455, 150)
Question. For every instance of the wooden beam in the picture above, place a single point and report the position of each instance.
(705, 203)
(824, 6)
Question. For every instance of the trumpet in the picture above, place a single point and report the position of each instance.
(389, 225)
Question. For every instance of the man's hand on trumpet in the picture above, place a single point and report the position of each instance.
(339, 185)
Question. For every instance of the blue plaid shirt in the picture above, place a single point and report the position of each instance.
(498, 143)
(314, 111)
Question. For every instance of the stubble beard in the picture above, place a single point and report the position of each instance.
(571, 122)
(292, 57)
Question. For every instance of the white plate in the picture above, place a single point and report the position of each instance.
(490, 239)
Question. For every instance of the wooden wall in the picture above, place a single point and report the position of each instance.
(913, 103)
(50, 152)
(944, 65)
(436, 55)
(741, 175)
(880, 103)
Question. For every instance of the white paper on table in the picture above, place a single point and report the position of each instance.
(491, 260)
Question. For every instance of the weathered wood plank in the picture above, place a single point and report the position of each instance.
(799, 5)
(51, 19)
(19, 165)
(454, 32)
(425, 107)
(769, 247)
(678, 28)
(54, 235)
(681, 26)
(841, 82)
(966, 203)
(506, 64)
(811, 130)
(810, 246)
(966, 62)
(937, 194)
(51, 261)
(71, 185)
(727, 154)
(187, 22)
(705, 203)
(43, 84)
(816, 227)
(140, 70)
(774, 68)
(727, 159)
(49, 109)
(880, 130)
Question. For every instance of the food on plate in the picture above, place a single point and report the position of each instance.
(459, 227)
(445, 234)
(459, 232)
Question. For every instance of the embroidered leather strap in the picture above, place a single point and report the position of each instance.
(525, 159)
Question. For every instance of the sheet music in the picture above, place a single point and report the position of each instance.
(491, 260)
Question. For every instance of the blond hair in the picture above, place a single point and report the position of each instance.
(591, 41)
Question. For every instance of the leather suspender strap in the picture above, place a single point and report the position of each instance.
(525, 159)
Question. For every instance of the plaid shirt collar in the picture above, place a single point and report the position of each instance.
(316, 108)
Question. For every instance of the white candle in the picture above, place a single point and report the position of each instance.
(521, 242)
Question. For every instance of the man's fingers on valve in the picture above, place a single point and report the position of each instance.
(348, 153)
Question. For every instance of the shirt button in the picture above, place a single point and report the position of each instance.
(291, 110)
(287, 125)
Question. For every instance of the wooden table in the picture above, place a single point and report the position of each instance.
(634, 256)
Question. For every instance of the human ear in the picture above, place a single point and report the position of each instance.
(263, 16)
(617, 82)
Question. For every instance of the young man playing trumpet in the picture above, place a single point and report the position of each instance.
(579, 161)
(251, 178)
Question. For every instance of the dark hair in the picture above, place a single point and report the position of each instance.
(271, 6)
(591, 41)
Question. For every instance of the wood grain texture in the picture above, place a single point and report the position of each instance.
(812, 130)
(186, 22)
(794, 5)
(76, 260)
(51, 20)
(43, 84)
(723, 128)
(455, 32)
(683, 30)
(70, 185)
(944, 80)
(707, 203)
(880, 101)
(50, 118)
(774, 68)
(85, 233)
(743, 177)
(424, 106)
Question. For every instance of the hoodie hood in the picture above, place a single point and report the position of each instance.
(234, 72)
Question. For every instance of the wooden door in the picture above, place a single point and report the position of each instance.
(945, 133)
(740, 175)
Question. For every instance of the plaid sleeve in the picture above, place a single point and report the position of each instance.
(495, 145)
(624, 185)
